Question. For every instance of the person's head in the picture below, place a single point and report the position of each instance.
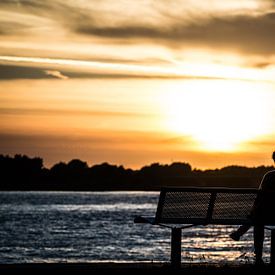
(273, 156)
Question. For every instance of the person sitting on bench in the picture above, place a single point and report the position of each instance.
(259, 213)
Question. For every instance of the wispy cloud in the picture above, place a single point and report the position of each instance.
(178, 28)
(250, 34)
(9, 72)
(56, 74)
(247, 27)
(52, 67)
(72, 112)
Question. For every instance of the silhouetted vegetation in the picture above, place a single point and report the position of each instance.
(25, 173)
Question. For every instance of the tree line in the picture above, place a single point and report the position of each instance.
(21, 172)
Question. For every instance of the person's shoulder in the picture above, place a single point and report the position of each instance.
(270, 173)
(268, 181)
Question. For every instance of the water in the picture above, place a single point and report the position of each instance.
(98, 226)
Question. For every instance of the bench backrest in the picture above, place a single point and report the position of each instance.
(205, 205)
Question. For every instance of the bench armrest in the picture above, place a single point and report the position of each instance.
(140, 219)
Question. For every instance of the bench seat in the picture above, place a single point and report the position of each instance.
(179, 208)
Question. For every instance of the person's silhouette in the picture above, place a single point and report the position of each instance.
(260, 213)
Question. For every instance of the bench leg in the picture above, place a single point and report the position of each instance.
(176, 247)
(272, 248)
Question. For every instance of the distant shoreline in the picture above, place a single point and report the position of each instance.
(22, 173)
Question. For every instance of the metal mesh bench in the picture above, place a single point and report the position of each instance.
(180, 208)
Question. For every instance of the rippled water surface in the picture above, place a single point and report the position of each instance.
(98, 226)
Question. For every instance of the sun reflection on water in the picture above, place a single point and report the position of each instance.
(88, 227)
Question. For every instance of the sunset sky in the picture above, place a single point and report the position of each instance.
(132, 82)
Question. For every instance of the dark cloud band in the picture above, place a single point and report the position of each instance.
(248, 33)
(251, 34)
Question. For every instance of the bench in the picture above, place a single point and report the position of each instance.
(180, 208)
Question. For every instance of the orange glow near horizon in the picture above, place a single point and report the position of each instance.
(209, 123)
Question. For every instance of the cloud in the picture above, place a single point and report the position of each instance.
(16, 67)
(260, 64)
(250, 34)
(8, 72)
(178, 27)
(56, 74)
(75, 112)
(8, 27)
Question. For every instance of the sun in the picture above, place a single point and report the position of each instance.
(218, 115)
